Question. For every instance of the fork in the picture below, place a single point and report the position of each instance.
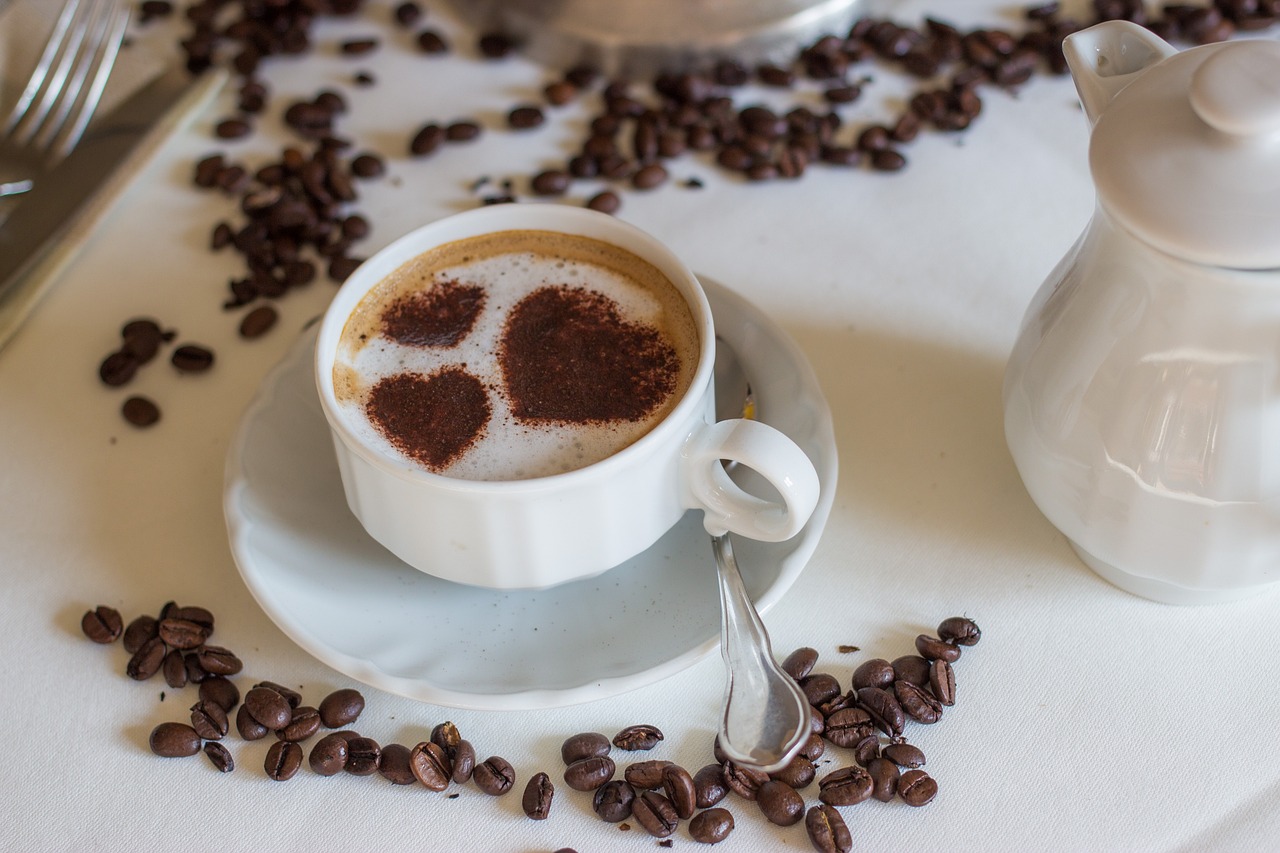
(62, 93)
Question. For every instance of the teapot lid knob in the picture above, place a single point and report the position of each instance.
(1237, 91)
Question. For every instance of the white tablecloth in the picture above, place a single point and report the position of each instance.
(1087, 719)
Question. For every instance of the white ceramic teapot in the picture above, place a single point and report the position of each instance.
(1142, 398)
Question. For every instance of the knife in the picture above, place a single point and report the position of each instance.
(49, 225)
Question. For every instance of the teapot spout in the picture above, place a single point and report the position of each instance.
(1107, 57)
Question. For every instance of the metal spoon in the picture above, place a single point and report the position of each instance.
(766, 716)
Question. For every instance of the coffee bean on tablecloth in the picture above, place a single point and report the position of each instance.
(711, 826)
(655, 814)
(646, 775)
(291, 697)
(820, 687)
(359, 47)
(139, 631)
(329, 755)
(341, 707)
(931, 648)
(258, 322)
(587, 774)
(709, 786)
(142, 339)
(147, 660)
(847, 786)
(268, 708)
(904, 755)
(363, 754)
(209, 719)
(118, 368)
(678, 787)
(495, 776)
(885, 711)
(464, 761)
(232, 128)
(799, 773)
(942, 681)
(613, 800)
(525, 117)
(538, 793)
(220, 757)
(174, 740)
(918, 703)
(407, 14)
(394, 764)
(743, 780)
(430, 765)
(432, 42)
(606, 201)
(248, 727)
(800, 663)
(912, 668)
(781, 804)
(103, 624)
(917, 788)
(584, 745)
(221, 690)
(828, 833)
(638, 737)
(192, 358)
(283, 760)
(426, 140)
(884, 779)
(847, 726)
(876, 672)
(550, 182)
(959, 630)
(304, 722)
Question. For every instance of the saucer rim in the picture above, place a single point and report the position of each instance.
(365, 670)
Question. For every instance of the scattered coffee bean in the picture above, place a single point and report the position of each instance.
(341, 707)
(917, 703)
(942, 681)
(329, 756)
(462, 131)
(917, 788)
(394, 764)
(118, 368)
(495, 45)
(292, 697)
(711, 826)
(426, 140)
(847, 786)
(799, 773)
(232, 128)
(220, 757)
(904, 755)
(613, 800)
(931, 648)
(258, 322)
(800, 663)
(248, 727)
(550, 182)
(139, 631)
(885, 711)
(268, 708)
(363, 756)
(432, 42)
(639, 737)
(780, 803)
(495, 776)
(359, 47)
(191, 358)
(876, 672)
(847, 726)
(605, 202)
(221, 690)
(464, 761)
(650, 176)
(174, 740)
(147, 660)
(303, 724)
(709, 786)
(446, 736)
(678, 787)
(584, 745)
(102, 624)
(959, 630)
(646, 775)
(430, 765)
(912, 668)
(209, 720)
(587, 774)
(820, 687)
(884, 779)
(655, 814)
(283, 761)
(537, 797)
(525, 118)
(828, 833)
(742, 780)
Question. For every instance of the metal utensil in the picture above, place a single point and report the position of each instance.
(766, 716)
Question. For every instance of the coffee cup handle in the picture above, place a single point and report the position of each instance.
(727, 507)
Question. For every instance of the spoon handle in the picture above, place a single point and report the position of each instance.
(766, 716)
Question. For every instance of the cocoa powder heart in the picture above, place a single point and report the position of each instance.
(568, 356)
(439, 317)
(431, 419)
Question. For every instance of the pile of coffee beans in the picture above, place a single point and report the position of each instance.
(868, 721)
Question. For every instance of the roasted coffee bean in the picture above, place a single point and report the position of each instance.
(584, 745)
(813, 747)
(587, 774)
(464, 761)
(537, 797)
(646, 775)
(885, 711)
(888, 160)
(959, 630)
(329, 756)
(779, 803)
(709, 787)
(221, 690)
(142, 339)
(866, 750)
(103, 624)
(711, 826)
(820, 687)
(431, 766)
(605, 202)
(848, 726)
(283, 761)
(612, 801)
(209, 720)
(912, 668)
(446, 736)
(426, 140)
(931, 648)
(292, 697)
(363, 754)
(942, 681)
(650, 176)
(525, 117)
(118, 368)
(655, 814)
(847, 786)
(917, 788)
(639, 737)
(904, 754)
(341, 708)
(140, 411)
(192, 358)
(495, 776)
(258, 322)
(139, 631)
(432, 42)
(836, 703)
(248, 727)
(918, 703)
(876, 672)
(220, 757)
(495, 45)
(884, 779)
(232, 128)
(304, 722)
(679, 788)
(550, 182)
(462, 131)
(742, 780)
(828, 833)
(174, 740)
(218, 661)
(394, 764)
(817, 721)
(268, 707)
(358, 47)
(182, 633)
(799, 773)
(147, 660)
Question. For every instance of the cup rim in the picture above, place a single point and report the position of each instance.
(473, 223)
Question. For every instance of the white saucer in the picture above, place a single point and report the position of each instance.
(359, 609)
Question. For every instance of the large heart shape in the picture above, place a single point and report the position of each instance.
(567, 355)
(431, 419)
(439, 317)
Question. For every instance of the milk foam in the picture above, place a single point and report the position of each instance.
(510, 266)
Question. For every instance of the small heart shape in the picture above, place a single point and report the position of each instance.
(567, 355)
(431, 419)
(439, 317)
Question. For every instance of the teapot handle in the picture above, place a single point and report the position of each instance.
(1107, 57)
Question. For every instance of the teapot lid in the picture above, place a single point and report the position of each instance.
(1186, 156)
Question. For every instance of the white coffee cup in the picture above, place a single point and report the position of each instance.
(535, 533)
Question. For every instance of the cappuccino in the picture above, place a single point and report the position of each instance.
(514, 355)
